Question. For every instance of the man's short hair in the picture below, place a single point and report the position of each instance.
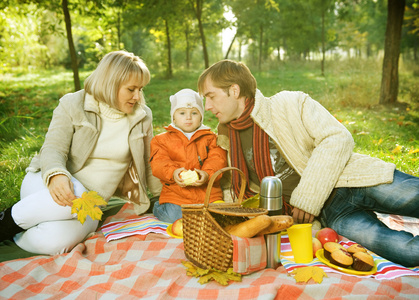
(225, 73)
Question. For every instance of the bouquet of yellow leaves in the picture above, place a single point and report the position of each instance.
(88, 204)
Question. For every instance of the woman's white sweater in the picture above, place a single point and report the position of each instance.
(110, 158)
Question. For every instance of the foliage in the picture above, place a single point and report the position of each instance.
(349, 91)
(304, 274)
(207, 275)
(88, 205)
(32, 32)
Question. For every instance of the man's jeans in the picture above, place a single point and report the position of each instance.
(351, 214)
(167, 212)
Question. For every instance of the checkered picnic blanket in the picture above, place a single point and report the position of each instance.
(149, 267)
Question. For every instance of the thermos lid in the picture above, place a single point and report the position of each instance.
(271, 193)
(271, 187)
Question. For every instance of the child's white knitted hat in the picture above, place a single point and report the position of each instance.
(186, 98)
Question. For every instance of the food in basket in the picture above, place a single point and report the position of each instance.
(362, 261)
(260, 225)
(356, 248)
(279, 223)
(329, 247)
(341, 258)
(189, 177)
(249, 228)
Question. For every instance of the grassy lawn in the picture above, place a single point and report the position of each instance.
(349, 90)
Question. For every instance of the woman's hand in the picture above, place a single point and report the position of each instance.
(61, 189)
(300, 216)
(203, 178)
(177, 178)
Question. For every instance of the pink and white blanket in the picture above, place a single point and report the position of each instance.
(149, 266)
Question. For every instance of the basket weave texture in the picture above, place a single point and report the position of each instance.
(206, 243)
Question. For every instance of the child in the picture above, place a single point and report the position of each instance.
(187, 145)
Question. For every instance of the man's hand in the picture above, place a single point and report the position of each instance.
(300, 216)
(61, 189)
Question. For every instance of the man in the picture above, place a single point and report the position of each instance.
(292, 136)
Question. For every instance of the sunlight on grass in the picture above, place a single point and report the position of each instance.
(349, 90)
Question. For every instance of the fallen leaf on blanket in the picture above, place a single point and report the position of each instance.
(88, 205)
(206, 275)
(304, 274)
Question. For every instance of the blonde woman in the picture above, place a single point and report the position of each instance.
(99, 140)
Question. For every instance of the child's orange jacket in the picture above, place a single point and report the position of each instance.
(172, 150)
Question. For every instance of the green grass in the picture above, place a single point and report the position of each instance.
(349, 90)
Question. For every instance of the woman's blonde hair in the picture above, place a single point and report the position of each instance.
(225, 73)
(113, 70)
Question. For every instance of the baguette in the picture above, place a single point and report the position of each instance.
(249, 228)
(279, 223)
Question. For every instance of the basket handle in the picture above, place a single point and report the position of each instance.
(215, 175)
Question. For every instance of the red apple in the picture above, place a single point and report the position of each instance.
(327, 235)
(177, 227)
(316, 246)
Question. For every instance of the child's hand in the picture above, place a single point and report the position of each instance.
(203, 178)
(177, 178)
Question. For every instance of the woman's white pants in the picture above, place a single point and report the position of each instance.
(49, 228)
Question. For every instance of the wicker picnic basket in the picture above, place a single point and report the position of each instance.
(206, 243)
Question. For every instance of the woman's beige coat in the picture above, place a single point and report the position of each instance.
(316, 145)
(72, 136)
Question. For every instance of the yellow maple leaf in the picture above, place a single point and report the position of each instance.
(412, 150)
(378, 142)
(88, 205)
(304, 274)
(397, 149)
(206, 275)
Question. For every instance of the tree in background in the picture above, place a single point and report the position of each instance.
(204, 11)
(72, 49)
(411, 38)
(167, 33)
(390, 75)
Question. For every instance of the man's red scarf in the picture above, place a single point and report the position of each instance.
(261, 152)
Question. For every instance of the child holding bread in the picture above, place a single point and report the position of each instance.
(184, 157)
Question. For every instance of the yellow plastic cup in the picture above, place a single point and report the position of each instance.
(301, 243)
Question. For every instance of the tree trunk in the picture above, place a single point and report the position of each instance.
(231, 45)
(390, 75)
(74, 64)
(240, 49)
(169, 51)
(118, 29)
(188, 55)
(260, 47)
(197, 8)
(323, 42)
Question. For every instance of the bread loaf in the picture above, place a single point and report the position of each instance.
(279, 223)
(249, 228)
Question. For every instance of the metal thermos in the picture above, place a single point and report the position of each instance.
(271, 195)
(271, 199)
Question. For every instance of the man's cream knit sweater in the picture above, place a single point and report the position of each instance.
(316, 145)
